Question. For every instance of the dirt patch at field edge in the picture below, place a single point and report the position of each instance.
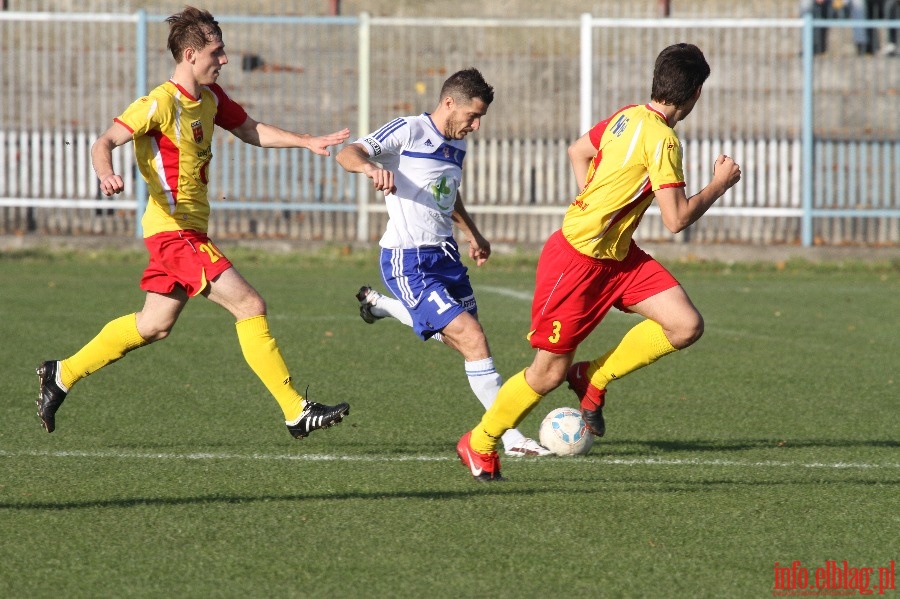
(668, 252)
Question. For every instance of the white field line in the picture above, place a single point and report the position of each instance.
(523, 296)
(136, 455)
(527, 296)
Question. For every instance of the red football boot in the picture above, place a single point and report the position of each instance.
(590, 398)
(484, 466)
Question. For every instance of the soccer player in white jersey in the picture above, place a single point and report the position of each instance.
(417, 162)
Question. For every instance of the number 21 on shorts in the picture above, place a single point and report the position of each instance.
(210, 250)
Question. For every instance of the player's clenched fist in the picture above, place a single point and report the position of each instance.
(727, 170)
(111, 185)
(382, 179)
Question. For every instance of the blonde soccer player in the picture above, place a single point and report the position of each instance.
(172, 129)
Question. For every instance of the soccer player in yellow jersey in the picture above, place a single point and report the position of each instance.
(592, 264)
(172, 131)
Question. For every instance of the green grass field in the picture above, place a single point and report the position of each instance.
(774, 439)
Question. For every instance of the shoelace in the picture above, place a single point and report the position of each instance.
(309, 402)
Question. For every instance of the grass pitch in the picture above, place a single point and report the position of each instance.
(774, 439)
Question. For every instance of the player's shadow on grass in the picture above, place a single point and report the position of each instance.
(478, 489)
(531, 486)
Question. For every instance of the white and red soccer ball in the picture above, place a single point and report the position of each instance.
(564, 432)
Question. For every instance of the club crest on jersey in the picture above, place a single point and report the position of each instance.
(197, 130)
(452, 154)
(580, 204)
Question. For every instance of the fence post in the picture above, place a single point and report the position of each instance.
(140, 80)
(585, 115)
(362, 183)
(806, 133)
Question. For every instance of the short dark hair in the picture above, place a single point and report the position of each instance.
(191, 28)
(680, 70)
(466, 85)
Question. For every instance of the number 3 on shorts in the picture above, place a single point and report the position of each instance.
(554, 338)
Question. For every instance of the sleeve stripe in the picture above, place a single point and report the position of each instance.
(382, 133)
(124, 124)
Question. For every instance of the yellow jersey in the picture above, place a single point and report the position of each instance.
(172, 134)
(637, 154)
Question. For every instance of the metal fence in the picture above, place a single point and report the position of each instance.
(816, 134)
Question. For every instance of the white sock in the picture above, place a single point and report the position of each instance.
(385, 306)
(388, 306)
(486, 382)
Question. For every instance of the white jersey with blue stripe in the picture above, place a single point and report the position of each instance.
(427, 171)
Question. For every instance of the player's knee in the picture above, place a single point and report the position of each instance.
(556, 378)
(472, 347)
(251, 306)
(258, 305)
(465, 335)
(689, 332)
(152, 334)
(158, 336)
(544, 378)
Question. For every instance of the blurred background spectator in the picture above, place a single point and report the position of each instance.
(819, 9)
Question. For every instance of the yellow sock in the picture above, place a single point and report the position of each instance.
(644, 344)
(262, 354)
(114, 340)
(514, 401)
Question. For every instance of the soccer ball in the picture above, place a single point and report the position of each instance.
(564, 432)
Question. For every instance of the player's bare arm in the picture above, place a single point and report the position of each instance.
(679, 212)
(479, 247)
(355, 159)
(264, 135)
(101, 158)
(581, 152)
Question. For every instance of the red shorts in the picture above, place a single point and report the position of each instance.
(185, 258)
(573, 292)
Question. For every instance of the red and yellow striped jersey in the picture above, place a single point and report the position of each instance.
(172, 134)
(637, 154)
